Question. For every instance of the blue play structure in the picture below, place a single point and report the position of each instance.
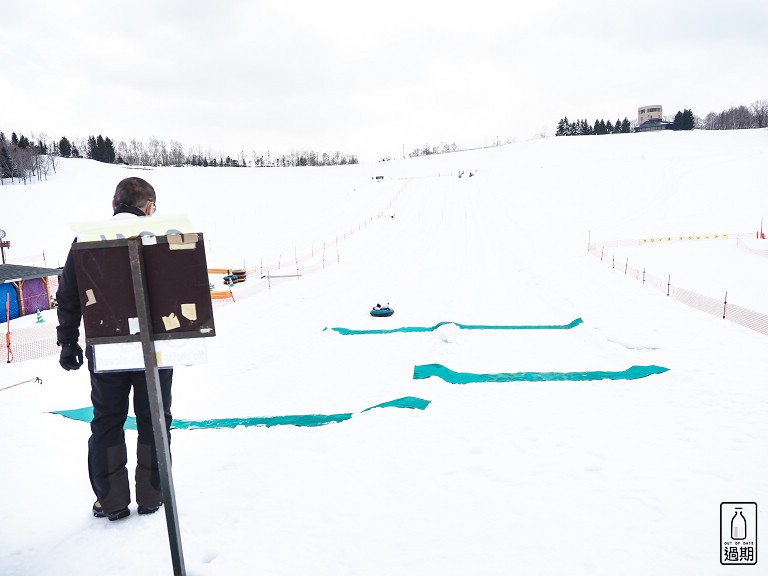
(7, 290)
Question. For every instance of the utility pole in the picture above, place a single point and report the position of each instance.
(3, 245)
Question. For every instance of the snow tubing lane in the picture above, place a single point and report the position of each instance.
(350, 332)
(307, 420)
(440, 371)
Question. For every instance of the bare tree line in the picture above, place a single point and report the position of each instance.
(427, 150)
(301, 158)
(23, 161)
(154, 153)
(738, 117)
(157, 152)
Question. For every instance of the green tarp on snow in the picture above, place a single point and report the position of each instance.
(440, 371)
(86, 415)
(350, 332)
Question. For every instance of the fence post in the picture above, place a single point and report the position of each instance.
(643, 274)
(626, 265)
(9, 352)
(602, 251)
(725, 303)
(613, 261)
(669, 280)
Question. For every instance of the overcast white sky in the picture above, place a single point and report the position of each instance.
(367, 78)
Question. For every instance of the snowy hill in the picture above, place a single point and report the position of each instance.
(530, 477)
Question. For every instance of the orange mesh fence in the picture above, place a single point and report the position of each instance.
(290, 267)
(756, 321)
(32, 342)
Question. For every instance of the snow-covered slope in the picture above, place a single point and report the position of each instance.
(553, 477)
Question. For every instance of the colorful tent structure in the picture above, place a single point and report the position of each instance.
(26, 288)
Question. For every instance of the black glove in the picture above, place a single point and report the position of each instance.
(71, 357)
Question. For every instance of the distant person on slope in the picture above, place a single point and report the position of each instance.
(107, 453)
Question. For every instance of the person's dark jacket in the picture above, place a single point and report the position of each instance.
(68, 294)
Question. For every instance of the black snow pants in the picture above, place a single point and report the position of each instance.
(107, 453)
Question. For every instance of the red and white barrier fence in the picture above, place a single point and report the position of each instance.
(751, 319)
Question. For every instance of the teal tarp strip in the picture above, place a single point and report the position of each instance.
(86, 415)
(407, 402)
(350, 332)
(427, 370)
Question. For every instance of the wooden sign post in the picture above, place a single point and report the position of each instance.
(145, 290)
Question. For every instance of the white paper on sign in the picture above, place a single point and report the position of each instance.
(133, 326)
(169, 353)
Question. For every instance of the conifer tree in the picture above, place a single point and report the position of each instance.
(688, 121)
(65, 147)
(109, 151)
(6, 166)
(625, 126)
(678, 123)
(100, 153)
(560, 127)
(91, 152)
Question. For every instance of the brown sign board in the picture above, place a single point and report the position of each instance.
(177, 285)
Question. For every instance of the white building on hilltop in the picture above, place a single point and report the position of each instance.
(649, 118)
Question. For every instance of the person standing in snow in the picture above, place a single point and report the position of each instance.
(107, 453)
